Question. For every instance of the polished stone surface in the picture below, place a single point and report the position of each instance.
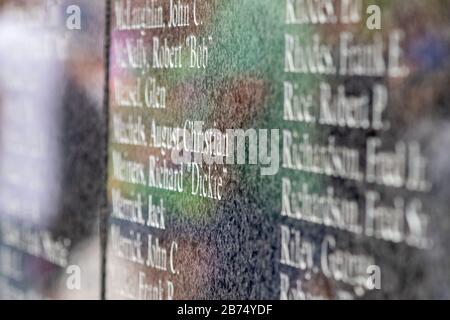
(338, 188)
(356, 207)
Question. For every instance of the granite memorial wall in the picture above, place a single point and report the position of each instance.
(239, 149)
